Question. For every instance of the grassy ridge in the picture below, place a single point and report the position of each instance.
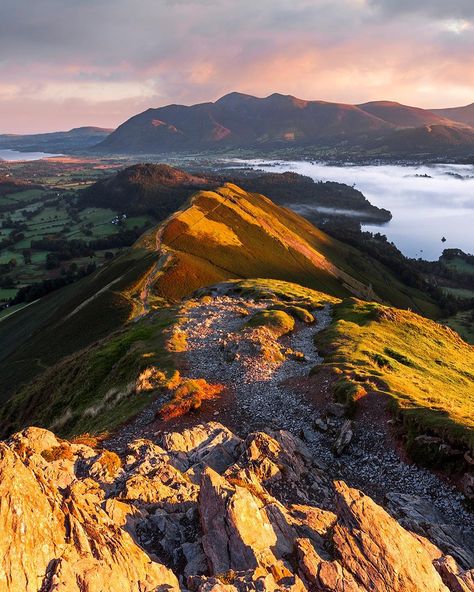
(245, 235)
(426, 368)
(95, 389)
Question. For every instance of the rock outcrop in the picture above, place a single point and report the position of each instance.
(204, 510)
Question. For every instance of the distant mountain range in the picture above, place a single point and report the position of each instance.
(79, 138)
(240, 121)
(244, 121)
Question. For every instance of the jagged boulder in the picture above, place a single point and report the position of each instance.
(237, 534)
(63, 540)
(376, 550)
(207, 511)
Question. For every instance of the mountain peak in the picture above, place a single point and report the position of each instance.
(234, 98)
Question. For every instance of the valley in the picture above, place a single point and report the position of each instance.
(222, 358)
(236, 296)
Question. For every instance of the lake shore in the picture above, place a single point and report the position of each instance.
(428, 202)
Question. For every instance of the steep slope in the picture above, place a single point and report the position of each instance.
(221, 234)
(462, 114)
(64, 321)
(403, 116)
(268, 380)
(231, 233)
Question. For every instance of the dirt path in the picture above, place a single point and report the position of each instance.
(221, 349)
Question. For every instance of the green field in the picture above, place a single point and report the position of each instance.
(463, 323)
(459, 292)
(459, 264)
(52, 222)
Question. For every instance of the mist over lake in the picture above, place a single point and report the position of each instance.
(427, 202)
(16, 156)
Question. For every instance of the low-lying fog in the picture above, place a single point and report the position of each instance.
(427, 202)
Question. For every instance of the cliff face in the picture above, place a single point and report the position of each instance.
(205, 510)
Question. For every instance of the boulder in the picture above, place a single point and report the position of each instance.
(208, 511)
(376, 550)
(455, 578)
(237, 534)
(63, 540)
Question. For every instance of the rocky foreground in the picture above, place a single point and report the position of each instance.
(205, 510)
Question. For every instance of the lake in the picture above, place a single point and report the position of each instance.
(15, 156)
(427, 202)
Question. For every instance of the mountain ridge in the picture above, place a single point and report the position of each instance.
(229, 430)
(240, 120)
(106, 299)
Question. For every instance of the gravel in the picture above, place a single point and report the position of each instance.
(222, 349)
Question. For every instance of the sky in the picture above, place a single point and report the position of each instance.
(69, 63)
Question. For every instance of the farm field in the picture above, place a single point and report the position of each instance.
(40, 224)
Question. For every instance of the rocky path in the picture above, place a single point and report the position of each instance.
(268, 394)
(220, 349)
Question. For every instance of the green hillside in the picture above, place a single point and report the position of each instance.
(222, 234)
(425, 368)
(38, 335)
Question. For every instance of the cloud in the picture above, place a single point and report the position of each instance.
(98, 54)
(431, 8)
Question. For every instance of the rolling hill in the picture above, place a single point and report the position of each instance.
(79, 138)
(239, 120)
(462, 114)
(145, 189)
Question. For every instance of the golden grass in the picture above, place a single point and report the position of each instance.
(61, 452)
(188, 395)
(110, 461)
(277, 321)
(426, 368)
